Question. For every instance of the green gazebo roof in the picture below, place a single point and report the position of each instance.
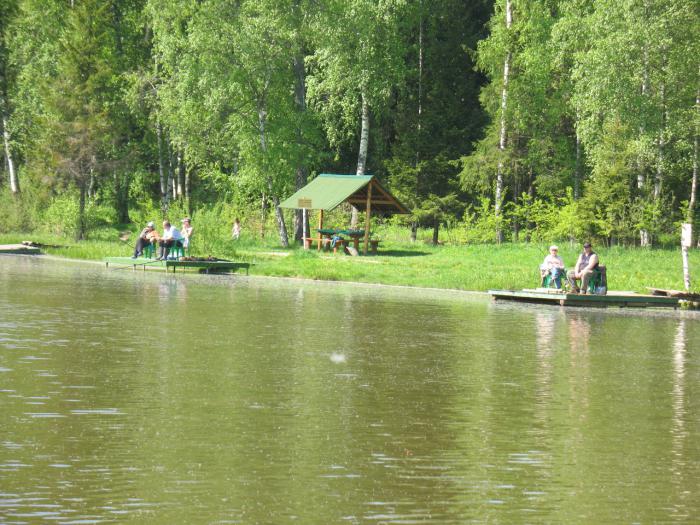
(328, 191)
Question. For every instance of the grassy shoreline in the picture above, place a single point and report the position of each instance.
(458, 267)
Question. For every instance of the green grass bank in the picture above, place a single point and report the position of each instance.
(462, 267)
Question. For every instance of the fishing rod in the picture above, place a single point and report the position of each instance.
(136, 264)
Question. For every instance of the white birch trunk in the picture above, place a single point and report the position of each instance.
(503, 134)
(644, 239)
(362, 154)
(161, 169)
(14, 181)
(364, 137)
(188, 176)
(686, 268)
(180, 173)
(172, 190)
(658, 180)
(281, 226)
(302, 172)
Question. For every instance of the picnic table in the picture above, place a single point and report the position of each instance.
(331, 238)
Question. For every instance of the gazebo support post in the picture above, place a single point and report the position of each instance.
(368, 211)
(320, 227)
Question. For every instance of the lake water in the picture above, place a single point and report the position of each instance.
(149, 398)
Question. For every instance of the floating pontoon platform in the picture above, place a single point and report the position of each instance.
(19, 249)
(617, 299)
(207, 266)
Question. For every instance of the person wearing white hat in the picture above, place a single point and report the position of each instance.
(554, 264)
(149, 235)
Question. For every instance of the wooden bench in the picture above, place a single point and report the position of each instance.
(325, 243)
(309, 241)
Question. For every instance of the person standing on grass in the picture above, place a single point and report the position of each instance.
(236, 230)
(171, 237)
(187, 231)
(554, 264)
(148, 235)
(586, 263)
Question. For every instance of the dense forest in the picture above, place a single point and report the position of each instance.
(506, 120)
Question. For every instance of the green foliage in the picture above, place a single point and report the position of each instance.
(62, 216)
(480, 224)
(16, 213)
(106, 102)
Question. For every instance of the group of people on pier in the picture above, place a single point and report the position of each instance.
(583, 270)
(170, 238)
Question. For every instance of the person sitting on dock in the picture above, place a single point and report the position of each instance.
(171, 237)
(149, 235)
(553, 265)
(586, 263)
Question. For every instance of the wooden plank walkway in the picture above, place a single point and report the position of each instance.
(621, 299)
(207, 266)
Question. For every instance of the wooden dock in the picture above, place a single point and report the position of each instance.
(619, 299)
(18, 249)
(206, 266)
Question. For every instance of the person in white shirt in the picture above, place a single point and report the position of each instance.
(236, 230)
(555, 265)
(171, 237)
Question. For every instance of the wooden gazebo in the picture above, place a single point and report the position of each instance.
(327, 191)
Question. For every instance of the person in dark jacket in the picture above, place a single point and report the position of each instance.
(586, 263)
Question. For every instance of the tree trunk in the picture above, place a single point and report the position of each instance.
(362, 154)
(92, 186)
(414, 231)
(436, 231)
(81, 227)
(14, 181)
(161, 170)
(281, 226)
(171, 171)
(300, 182)
(658, 180)
(577, 169)
(694, 182)
(644, 237)
(503, 134)
(516, 194)
(263, 214)
(121, 192)
(179, 189)
(419, 142)
(302, 172)
(188, 177)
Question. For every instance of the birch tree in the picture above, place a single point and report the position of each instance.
(502, 136)
(8, 12)
(634, 80)
(356, 64)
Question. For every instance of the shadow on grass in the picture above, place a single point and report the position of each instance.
(402, 253)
